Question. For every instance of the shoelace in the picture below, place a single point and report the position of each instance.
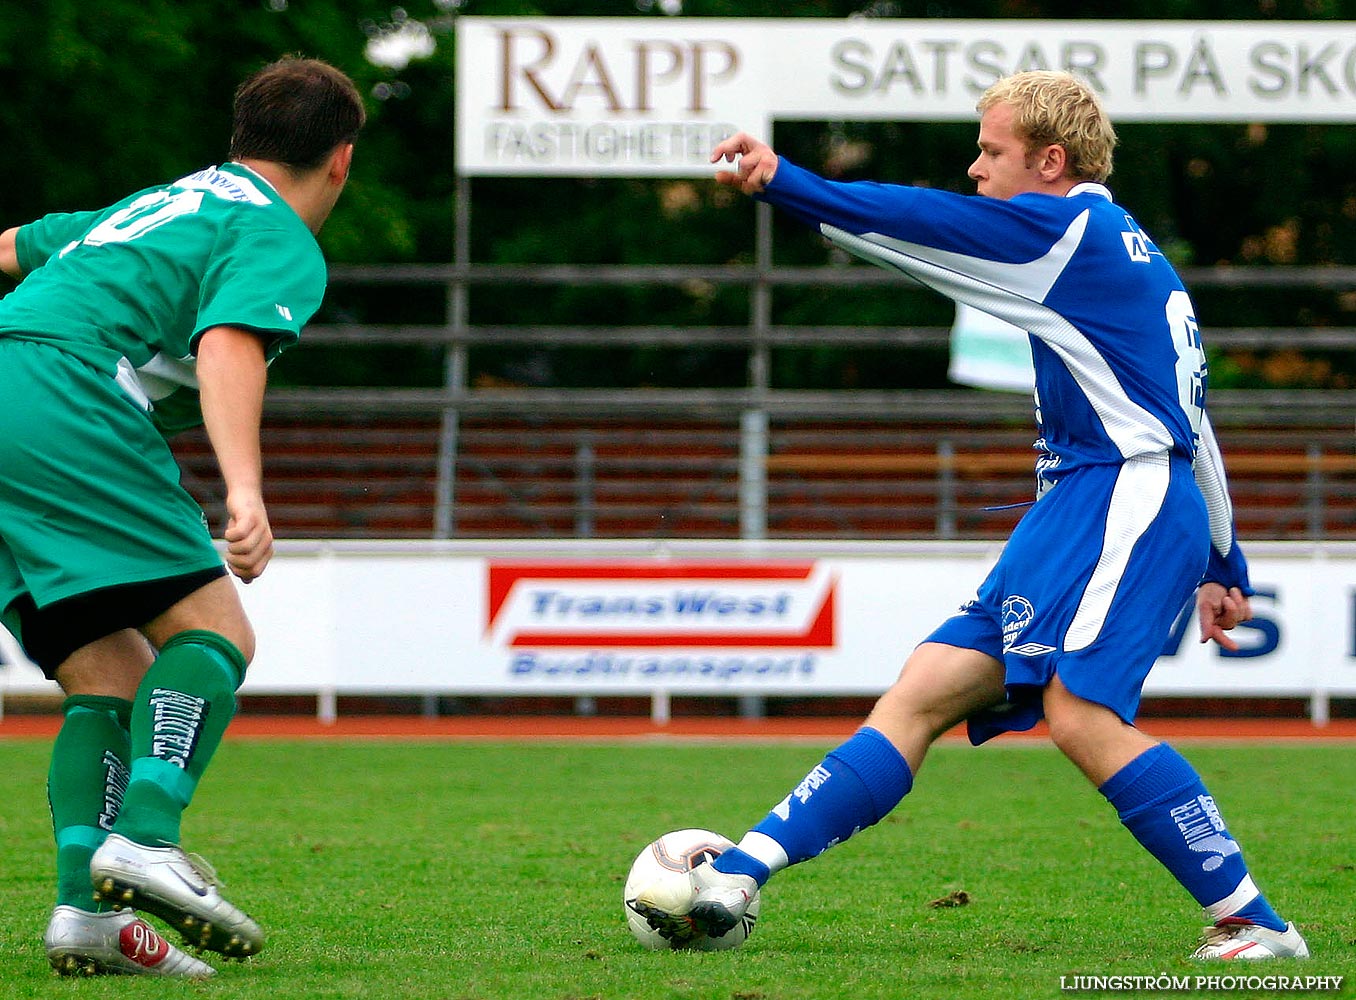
(1218, 935)
(201, 865)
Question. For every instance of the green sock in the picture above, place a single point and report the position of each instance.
(182, 708)
(85, 787)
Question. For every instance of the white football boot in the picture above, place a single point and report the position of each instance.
(1235, 939)
(177, 888)
(79, 943)
(711, 903)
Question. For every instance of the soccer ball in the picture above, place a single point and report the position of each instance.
(667, 861)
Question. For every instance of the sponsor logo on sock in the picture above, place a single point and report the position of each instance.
(802, 792)
(1203, 830)
(810, 782)
(176, 726)
(116, 776)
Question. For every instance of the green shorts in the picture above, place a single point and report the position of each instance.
(89, 491)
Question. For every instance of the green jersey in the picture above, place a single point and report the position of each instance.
(130, 288)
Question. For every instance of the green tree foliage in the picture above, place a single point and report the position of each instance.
(104, 98)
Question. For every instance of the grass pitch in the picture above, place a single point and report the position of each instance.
(481, 871)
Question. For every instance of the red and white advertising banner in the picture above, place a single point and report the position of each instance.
(637, 96)
(590, 618)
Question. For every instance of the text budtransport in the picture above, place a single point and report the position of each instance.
(529, 665)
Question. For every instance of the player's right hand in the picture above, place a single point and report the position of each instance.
(249, 539)
(756, 167)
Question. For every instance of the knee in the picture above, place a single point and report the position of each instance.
(216, 647)
(903, 712)
(215, 608)
(910, 713)
(112, 666)
(940, 685)
(233, 629)
(1097, 740)
(1073, 722)
(239, 635)
(244, 641)
(1066, 733)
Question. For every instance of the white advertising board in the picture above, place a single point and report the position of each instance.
(651, 96)
(591, 618)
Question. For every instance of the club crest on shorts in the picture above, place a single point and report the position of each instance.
(1018, 613)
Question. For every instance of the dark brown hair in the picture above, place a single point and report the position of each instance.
(295, 112)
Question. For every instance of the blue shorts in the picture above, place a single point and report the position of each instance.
(1087, 587)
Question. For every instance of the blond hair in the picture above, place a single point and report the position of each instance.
(1057, 109)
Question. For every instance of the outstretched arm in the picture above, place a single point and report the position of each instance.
(232, 373)
(757, 163)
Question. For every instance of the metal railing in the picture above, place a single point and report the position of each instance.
(756, 410)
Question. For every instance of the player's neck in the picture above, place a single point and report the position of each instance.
(310, 194)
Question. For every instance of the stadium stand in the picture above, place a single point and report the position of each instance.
(514, 461)
(566, 477)
(344, 478)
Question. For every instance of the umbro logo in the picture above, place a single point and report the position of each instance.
(1031, 649)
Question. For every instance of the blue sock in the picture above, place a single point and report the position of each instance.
(854, 787)
(1161, 800)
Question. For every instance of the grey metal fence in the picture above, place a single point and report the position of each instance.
(589, 462)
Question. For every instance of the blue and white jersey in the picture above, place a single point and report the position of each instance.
(1119, 367)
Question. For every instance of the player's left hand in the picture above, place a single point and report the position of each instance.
(1219, 611)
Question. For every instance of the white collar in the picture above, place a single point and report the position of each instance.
(254, 173)
(1089, 187)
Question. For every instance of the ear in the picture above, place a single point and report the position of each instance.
(341, 160)
(1054, 160)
